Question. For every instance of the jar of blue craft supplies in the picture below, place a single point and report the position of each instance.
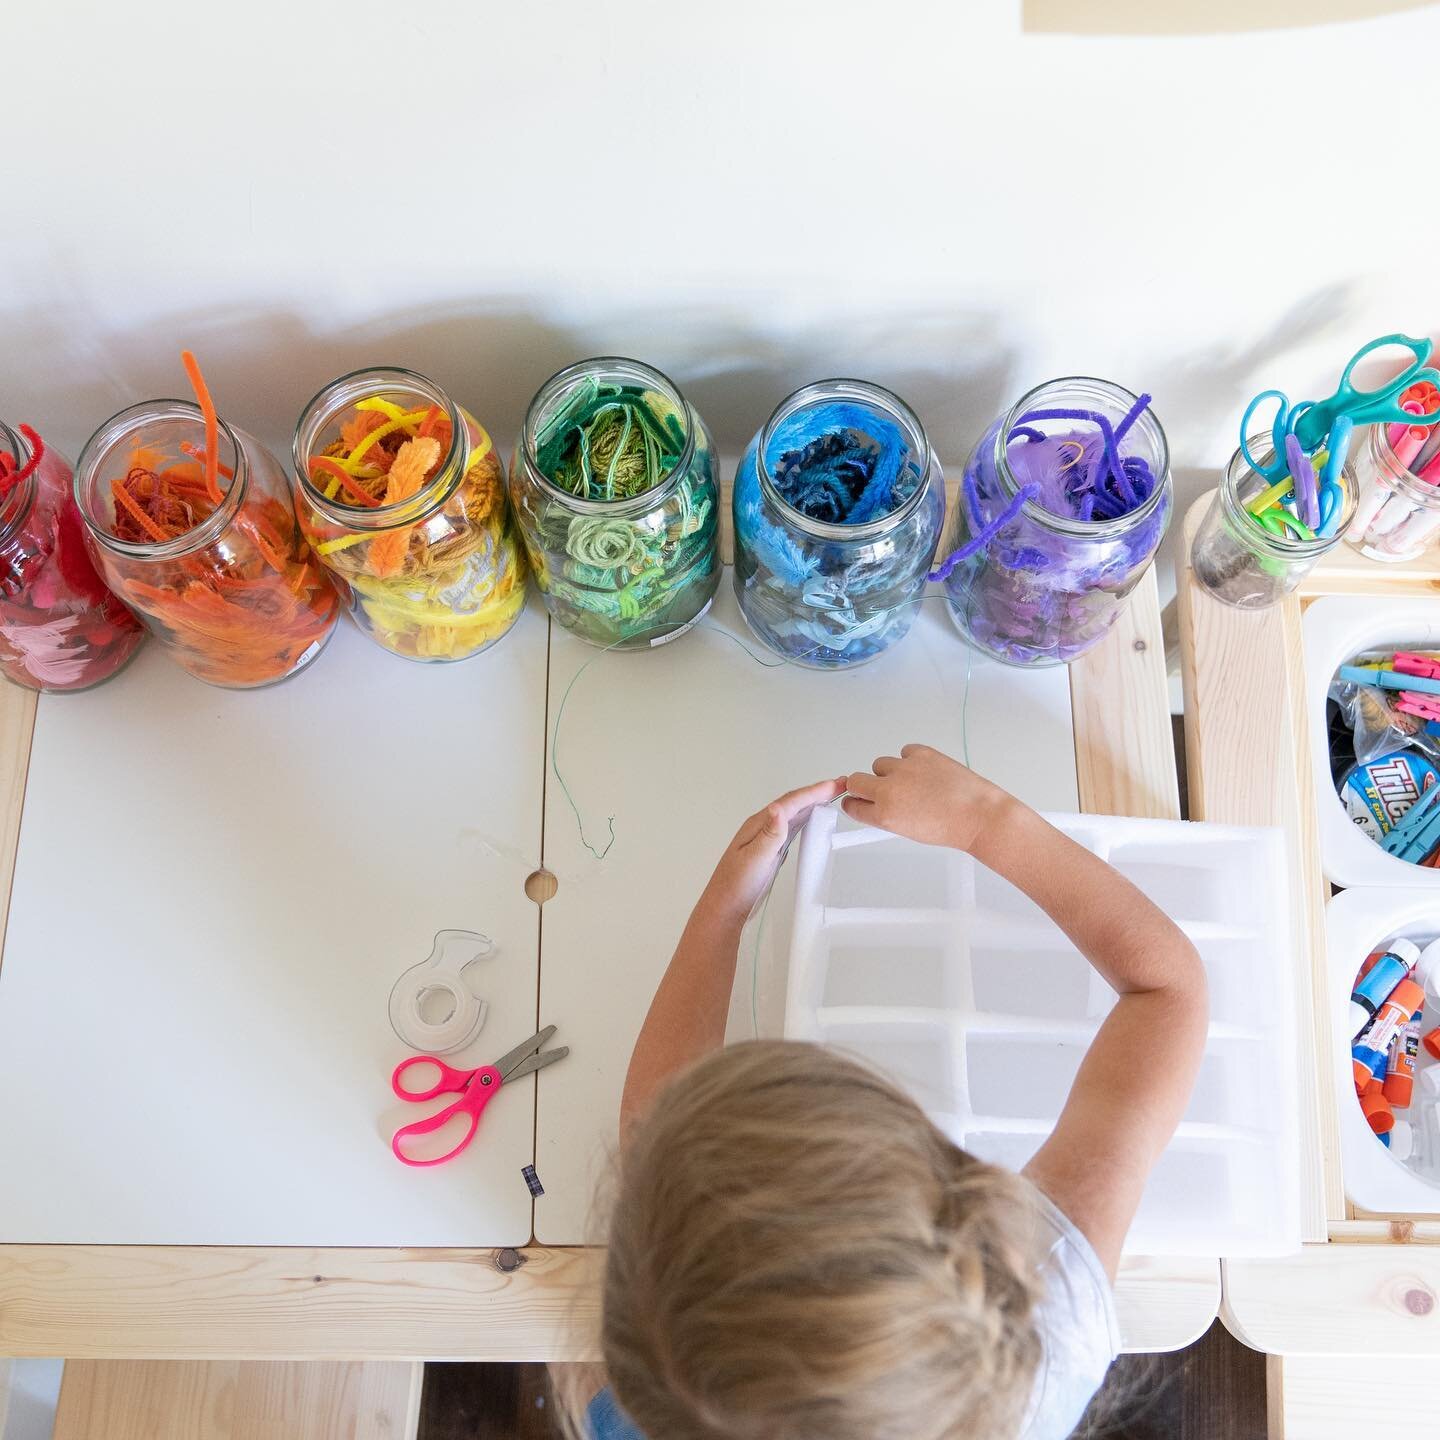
(1063, 505)
(614, 485)
(1241, 561)
(839, 503)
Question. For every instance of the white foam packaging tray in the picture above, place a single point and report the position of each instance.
(1357, 922)
(1335, 629)
(935, 969)
(1383, 897)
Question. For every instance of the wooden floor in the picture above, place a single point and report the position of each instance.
(1215, 1390)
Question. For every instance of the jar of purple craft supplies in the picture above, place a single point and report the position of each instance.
(1063, 505)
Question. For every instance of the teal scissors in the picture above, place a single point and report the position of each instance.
(1310, 421)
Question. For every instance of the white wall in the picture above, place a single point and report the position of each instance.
(748, 194)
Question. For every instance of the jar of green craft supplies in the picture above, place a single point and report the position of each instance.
(1249, 564)
(839, 502)
(614, 485)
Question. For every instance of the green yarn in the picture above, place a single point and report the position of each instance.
(611, 442)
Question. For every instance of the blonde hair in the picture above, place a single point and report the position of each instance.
(796, 1252)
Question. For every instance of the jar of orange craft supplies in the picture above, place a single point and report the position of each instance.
(198, 536)
(402, 497)
(60, 628)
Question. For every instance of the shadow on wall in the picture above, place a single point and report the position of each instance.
(1198, 17)
(263, 365)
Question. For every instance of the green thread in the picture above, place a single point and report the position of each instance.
(611, 442)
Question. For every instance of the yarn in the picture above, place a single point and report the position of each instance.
(1027, 590)
(650, 568)
(242, 607)
(60, 628)
(427, 557)
(819, 599)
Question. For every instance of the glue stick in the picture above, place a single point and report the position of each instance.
(1431, 1042)
(1404, 1000)
(1400, 1078)
(1367, 1064)
(1376, 1110)
(1373, 989)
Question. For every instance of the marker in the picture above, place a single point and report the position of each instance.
(1372, 991)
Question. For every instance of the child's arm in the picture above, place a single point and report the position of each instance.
(1135, 1081)
(687, 1016)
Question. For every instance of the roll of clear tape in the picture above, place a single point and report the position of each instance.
(432, 1007)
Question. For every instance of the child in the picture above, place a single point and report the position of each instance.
(796, 1253)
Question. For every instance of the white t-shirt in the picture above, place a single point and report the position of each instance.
(1079, 1330)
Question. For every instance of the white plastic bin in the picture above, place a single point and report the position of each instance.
(946, 976)
(1357, 922)
(1335, 629)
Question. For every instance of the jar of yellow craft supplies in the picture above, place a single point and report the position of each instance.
(402, 496)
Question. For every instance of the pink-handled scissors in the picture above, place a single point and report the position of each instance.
(476, 1088)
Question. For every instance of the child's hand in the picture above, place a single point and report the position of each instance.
(752, 857)
(926, 796)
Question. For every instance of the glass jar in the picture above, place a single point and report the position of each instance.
(226, 584)
(1236, 558)
(1054, 540)
(1397, 513)
(417, 529)
(614, 485)
(60, 628)
(839, 504)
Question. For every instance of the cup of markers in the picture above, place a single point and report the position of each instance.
(1398, 470)
(1395, 1053)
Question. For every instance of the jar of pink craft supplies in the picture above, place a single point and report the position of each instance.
(1063, 504)
(1398, 514)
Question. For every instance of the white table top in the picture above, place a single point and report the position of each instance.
(680, 744)
(213, 895)
(215, 891)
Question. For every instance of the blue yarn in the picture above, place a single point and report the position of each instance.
(819, 456)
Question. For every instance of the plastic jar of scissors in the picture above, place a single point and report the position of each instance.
(1398, 468)
(1282, 505)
